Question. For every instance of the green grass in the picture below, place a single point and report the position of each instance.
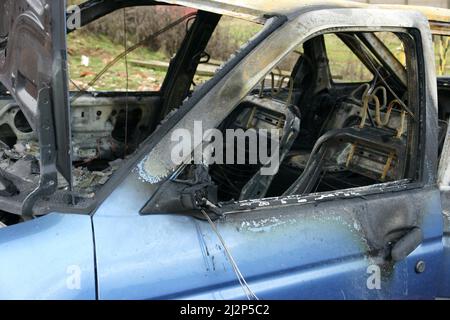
(102, 50)
(345, 65)
(240, 30)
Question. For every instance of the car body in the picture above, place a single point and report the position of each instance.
(135, 240)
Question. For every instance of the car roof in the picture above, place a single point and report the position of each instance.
(257, 10)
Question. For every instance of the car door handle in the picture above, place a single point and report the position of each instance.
(407, 244)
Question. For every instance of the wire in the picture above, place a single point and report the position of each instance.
(247, 291)
(75, 85)
(131, 49)
(125, 44)
(401, 102)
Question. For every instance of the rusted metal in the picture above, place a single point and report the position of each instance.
(256, 10)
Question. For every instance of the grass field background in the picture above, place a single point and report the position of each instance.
(92, 47)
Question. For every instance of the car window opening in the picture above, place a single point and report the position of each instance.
(114, 108)
(346, 119)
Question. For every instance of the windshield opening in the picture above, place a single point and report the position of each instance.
(127, 72)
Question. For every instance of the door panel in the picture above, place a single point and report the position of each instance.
(48, 258)
(321, 251)
(444, 281)
(33, 69)
(444, 184)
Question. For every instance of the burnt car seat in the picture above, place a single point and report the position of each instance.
(386, 153)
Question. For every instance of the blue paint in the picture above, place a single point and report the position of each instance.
(444, 273)
(304, 256)
(289, 256)
(300, 255)
(40, 258)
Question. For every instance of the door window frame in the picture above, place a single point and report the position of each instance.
(415, 68)
(279, 33)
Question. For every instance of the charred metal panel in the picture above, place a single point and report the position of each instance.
(98, 124)
(32, 59)
(177, 83)
(94, 9)
(444, 274)
(256, 9)
(444, 185)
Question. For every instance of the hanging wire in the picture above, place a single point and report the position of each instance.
(383, 80)
(131, 49)
(247, 290)
(75, 85)
(125, 45)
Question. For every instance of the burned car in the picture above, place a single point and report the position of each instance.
(93, 205)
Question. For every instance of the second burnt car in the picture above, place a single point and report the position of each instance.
(357, 209)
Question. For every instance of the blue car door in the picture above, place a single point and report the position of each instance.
(303, 251)
(444, 184)
(50, 258)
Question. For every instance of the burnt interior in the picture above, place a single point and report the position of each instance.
(341, 135)
(106, 127)
(330, 134)
(341, 145)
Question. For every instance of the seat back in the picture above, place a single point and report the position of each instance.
(371, 152)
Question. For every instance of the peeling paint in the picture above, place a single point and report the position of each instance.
(151, 170)
(264, 225)
(313, 198)
(255, 10)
